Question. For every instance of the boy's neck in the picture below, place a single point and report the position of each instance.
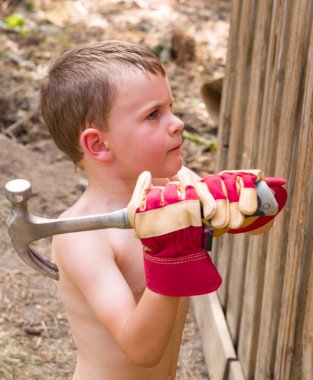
(106, 183)
(113, 188)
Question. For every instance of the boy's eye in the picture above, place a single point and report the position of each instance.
(153, 115)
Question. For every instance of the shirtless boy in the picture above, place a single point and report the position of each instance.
(109, 107)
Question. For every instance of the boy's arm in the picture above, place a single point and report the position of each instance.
(142, 331)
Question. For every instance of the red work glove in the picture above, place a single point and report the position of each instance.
(237, 200)
(264, 218)
(168, 222)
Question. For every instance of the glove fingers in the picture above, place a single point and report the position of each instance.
(218, 190)
(248, 196)
(173, 193)
(154, 198)
(187, 177)
(242, 193)
(207, 201)
(236, 217)
(216, 186)
(232, 187)
(271, 181)
(138, 199)
(257, 172)
(255, 223)
(221, 217)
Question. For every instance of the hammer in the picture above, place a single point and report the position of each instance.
(25, 228)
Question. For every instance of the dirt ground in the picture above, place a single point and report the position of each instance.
(190, 36)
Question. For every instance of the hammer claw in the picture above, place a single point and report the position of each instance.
(43, 265)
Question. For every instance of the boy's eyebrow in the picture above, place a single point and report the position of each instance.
(156, 105)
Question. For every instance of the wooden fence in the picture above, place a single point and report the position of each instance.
(261, 324)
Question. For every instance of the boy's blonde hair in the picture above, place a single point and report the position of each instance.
(81, 85)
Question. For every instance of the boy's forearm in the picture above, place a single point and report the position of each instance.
(147, 330)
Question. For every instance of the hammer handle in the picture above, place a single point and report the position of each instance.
(42, 227)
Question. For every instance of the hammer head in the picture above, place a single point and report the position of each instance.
(22, 229)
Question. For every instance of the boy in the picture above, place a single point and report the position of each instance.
(109, 107)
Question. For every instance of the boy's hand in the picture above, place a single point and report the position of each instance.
(258, 224)
(237, 200)
(235, 194)
(169, 224)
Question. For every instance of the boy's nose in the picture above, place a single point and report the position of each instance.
(176, 126)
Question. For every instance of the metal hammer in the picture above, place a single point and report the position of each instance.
(25, 228)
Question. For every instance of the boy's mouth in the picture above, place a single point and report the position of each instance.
(177, 147)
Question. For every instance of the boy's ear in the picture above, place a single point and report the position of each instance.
(93, 143)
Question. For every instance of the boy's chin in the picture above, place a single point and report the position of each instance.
(166, 172)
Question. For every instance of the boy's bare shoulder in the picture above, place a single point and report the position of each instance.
(79, 208)
(80, 252)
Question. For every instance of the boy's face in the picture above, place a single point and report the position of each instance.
(143, 132)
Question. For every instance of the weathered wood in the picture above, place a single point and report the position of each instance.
(296, 277)
(266, 121)
(236, 287)
(272, 289)
(251, 136)
(235, 371)
(235, 306)
(229, 82)
(307, 346)
(217, 345)
(253, 291)
(224, 244)
(223, 259)
(239, 97)
(306, 349)
(241, 85)
(274, 85)
(277, 241)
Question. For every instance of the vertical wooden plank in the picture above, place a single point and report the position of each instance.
(289, 123)
(240, 94)
(241, 91)
(221, 245)
(272, 289)
(274, 83)
(261, 36)
(277, 242)
(217, 345)
(229, 84)
(289, 344)
(307, 347)
(235, 371)
(302, 300)
(238, 261)
(248, 159)
(250, 321)
(223, 250)
(293, 300)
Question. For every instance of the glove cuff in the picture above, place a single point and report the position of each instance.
(181, 276)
